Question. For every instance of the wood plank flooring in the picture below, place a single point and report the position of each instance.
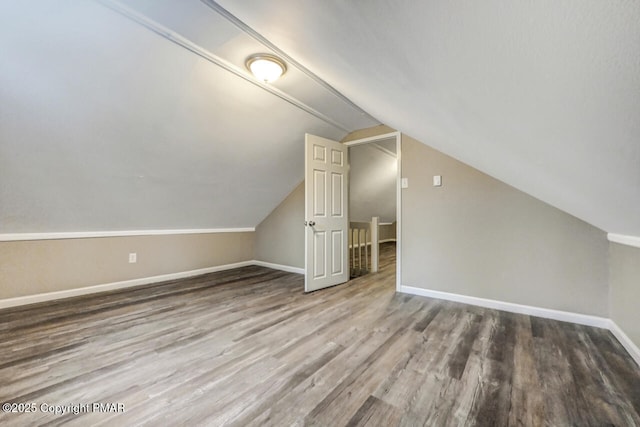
(247, 347)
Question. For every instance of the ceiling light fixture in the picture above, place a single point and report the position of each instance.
(266, 67)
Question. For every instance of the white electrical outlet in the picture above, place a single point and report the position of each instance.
(133, 258)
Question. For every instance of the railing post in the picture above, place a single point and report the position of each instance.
(374, 244)
(367, 264)
(353, 251)
(359, 253)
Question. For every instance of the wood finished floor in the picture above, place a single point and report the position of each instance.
(247, 347)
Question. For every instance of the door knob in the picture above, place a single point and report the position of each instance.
(312, 223)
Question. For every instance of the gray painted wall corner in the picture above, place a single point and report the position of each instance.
(279, 238)
(624, 283)
(480, 237)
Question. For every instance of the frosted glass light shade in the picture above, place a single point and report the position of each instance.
(265, 67)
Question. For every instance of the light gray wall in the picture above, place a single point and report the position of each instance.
(41, 266)
(624, 282)
(106, 126)
(280, 236)
(474, 236)
(477, 236)
(372, 184)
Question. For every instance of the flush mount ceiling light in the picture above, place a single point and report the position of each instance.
(267, 68)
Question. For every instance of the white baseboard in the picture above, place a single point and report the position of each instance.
(626, 342)
(68, 293)
(287, 268)
(49, 296)
(564, 316)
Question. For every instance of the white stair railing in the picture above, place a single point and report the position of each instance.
(375, 243)
(363, 235)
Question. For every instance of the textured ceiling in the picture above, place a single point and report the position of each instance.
(106, 123)
(113, 120)
(542, 95)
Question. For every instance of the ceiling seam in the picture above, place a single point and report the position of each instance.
(187, 44)
(260, 38)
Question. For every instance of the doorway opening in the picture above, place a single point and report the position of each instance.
(375, 204)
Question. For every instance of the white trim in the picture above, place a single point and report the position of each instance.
(626, 342)
(399, 212)
(32, 299)
(12, 237)
(287, 268)
(624, 240)
(87, 290)
(375, 244)
(564, 316)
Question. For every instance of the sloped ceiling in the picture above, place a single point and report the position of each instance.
(108, 121)
(116, 116)
(543, 95)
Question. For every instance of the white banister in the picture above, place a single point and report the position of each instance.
(374, 244)
(361, 235)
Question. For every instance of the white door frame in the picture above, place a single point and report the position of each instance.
(398, 136)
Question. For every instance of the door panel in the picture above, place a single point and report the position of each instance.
(336, 194)
(320, 248)
(319, 153)
(326, 216)
(337, 241)
(336, 157)
(319, 192)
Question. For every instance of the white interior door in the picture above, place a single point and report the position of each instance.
(326, 217)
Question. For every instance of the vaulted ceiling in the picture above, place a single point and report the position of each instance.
(140, 114)
(543, 95)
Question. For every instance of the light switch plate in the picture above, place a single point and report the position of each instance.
(404, 183)
(437, 181)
